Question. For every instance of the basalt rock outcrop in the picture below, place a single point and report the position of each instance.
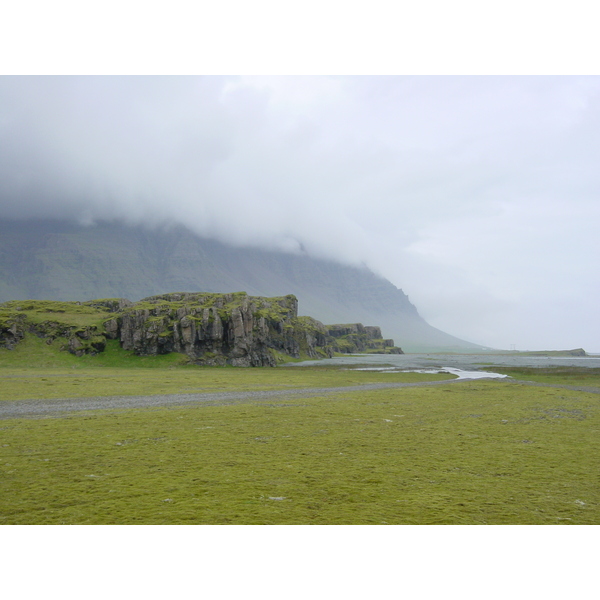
(211, 329)
(356, 337)
(234, 329)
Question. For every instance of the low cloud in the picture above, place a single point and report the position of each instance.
(477, 195)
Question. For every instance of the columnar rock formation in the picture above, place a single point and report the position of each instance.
(234, 329)
(211, 329)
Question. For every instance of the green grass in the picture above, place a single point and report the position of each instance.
(67, 313)
(466, 453)
(87, 377)
(35, 353)
(554, 375)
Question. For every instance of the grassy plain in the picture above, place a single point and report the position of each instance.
(484, 452)
(580, 376)
(36, 370)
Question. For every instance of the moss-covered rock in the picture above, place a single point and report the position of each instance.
(356, 337)
(211, 329)
(12, 328)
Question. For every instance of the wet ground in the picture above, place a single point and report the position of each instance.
(475, 363)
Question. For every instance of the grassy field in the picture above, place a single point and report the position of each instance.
(120, 373)
(19, 384)
(463, 453)
(580, 376)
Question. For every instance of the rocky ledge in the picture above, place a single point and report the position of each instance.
(211, 329)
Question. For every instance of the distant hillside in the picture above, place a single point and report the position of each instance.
(55, 260)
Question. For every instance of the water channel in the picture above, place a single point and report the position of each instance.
(465, 366)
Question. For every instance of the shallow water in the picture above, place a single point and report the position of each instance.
(460, 373)
(475, 364)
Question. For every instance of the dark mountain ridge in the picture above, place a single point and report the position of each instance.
(58, 260)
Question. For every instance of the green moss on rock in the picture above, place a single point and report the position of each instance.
(210, 328)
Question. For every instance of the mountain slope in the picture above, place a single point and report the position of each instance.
(57, 260)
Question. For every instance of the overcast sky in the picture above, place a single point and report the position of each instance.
(478, 196)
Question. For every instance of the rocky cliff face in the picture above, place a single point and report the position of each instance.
(217, 329)
(211, 329)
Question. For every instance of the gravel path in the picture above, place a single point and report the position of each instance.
(61, 406)
(38, 408)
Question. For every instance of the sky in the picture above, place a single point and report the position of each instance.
(479, 196)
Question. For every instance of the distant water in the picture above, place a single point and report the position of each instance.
(466, 366)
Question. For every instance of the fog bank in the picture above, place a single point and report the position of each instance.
(479, 196)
